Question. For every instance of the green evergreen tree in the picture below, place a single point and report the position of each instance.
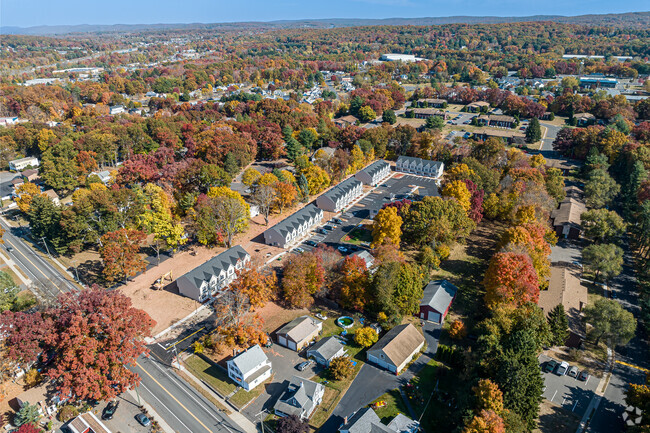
(559, 324)
(8, 291)
(303, 186)
(533, 132)
(294, 149)
(231, 165)
(434, 122)
(631, 188)
(28, 413)
(389, 117)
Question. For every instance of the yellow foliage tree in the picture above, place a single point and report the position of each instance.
(317, 179)
(250, 176)
(458, 190)
(25, 194)
(44, 138)
(525, 214)
(366, 336)
(537, 161)
(459, 172)
(357, 159)
(387, 227)
(267, 179)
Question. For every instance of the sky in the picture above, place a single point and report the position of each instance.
(27, 13)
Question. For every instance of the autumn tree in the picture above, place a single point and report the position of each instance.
(89, 339)
(250, 177)
(302, 278)
(536, 239)
(28, 428)
(434, 220)
(231, 212)
(159, 221)
(285, 195)
(457, 329)
(264, 197)
(365, 336)
(341, 367)
(386, 227)
(487, 421)
(511, 280)
(458, 190)
(555, 184)
(257, 287)
(611, 321)
(603, 259)
(119, 251)
(353, 280)
(559, 324)
(488, 396)
(24, 195)
(292, 424)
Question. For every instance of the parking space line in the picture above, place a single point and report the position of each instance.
(554, 395)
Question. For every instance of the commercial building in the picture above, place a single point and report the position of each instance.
(598, 81)
(213, 276)
(406, 58)
(293, 227)
(341, 195)
(23, 163)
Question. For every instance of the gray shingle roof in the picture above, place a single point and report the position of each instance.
(438, 295)
(248, 360)
(361, 421)
(296, 219)
(425, 162)
(342, 189)
(298, 397)
(375, 167)
(215, 265)
(327, 347)
(402, 423)
(299, 328)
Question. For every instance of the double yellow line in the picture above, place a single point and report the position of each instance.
(633, 366)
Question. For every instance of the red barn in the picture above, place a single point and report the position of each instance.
(436, 300)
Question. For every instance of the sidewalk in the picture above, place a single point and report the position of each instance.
(163, 425)
(235, 416)
(598, 395)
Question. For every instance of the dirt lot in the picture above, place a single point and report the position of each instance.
(554, 419)
(11, 390)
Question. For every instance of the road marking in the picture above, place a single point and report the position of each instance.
(587, 381)
(41, 272)
(175, 399)
(574, 406)
(163, 405)
(633, 366)
(554, 395)
(180, 341)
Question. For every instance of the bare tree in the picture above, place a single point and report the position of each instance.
(231, 215)
(264, 197)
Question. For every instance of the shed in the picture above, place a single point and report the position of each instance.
(437, 297)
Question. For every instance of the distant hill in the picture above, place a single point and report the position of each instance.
(630, 19)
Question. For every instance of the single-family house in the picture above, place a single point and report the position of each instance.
(213, 276)
(104, 176)
(496, 121)
(396, 349)
(30, 175)
(293, 227)
(403, 424)
(341, 195)
(565, 288)
(366, 420)
(325, 350)
(366, 257)
(250, 368)
(425, 113)
(17, 182)
(477, 107)
(52, 195)
(8, 121)
(23, 163)
(298, 333)
(344, 121)
(419, 166)
(300, 398)
(87, 423)
(566, 218)
(374, 173)
(437, 297)
(584, 119)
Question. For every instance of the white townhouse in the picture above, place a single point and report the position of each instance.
(374, 173)
(250, 368)
(23, 163)
(293, 227)
(214, 275)
(419, 166)
(340, 196)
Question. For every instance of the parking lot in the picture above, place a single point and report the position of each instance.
(572, 394)
(398, 187)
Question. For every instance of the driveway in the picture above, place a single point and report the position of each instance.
(372, 381)
(566, 251)
(124, 418)
(571, 393)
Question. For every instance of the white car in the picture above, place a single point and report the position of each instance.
(562, 368)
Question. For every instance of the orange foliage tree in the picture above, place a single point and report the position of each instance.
(258, 288)
(486, 421)
(303, 277)
(120, 252)
(511, 280)
(354, 282)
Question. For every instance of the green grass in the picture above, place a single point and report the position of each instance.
(358, 236)
(394, 406)
(213, 375)
(242, 397)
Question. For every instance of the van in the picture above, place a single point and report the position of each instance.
(562, 368)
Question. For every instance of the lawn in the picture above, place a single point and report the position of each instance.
(358, 236)
(394, 406)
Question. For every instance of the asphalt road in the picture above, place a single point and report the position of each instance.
(178, 403)
(46, 280)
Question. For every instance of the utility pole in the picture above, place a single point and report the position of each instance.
(74, 263)
(138, 394)
(46, 248)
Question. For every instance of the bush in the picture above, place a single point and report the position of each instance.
(457, 330)
(366, 336)
(341, 367)
(67, 412)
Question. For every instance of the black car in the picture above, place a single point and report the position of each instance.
(337, 221)
(328, 228)
(110, 410)
(321, 230)
(311, 243)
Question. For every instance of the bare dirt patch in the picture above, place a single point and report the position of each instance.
(554, 419)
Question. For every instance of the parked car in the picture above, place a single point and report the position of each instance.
(321, 231)
(142, 419)
(342, 249)
(337, 221)
(110, 409)
(303, 365)
(298, 250)
(562, 368)
(10, 249)
(328, 227)
(584, 375)
(573, 372)
(549, 366)
(311, 243)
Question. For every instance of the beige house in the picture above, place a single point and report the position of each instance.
(397, 348)
(565, 288)
(297, 334)
(567, 218)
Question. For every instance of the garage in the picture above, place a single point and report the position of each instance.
(282, 341)
(433, 316)
(437, 298)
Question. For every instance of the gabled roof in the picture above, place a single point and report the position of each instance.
(298, 397)
(402, 423)
(570, 211)
(438, 295)
(215, 265)
(299, 328)
(375, 167)
(342, 189)
(564, 288)
(425, 162)
(296, 219)
(399, 343)
(248, 360)
(327, 347)
(362, 421)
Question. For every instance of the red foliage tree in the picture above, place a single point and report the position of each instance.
(511, 280)
(476, 202)
(89, 338)
(120, 253)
